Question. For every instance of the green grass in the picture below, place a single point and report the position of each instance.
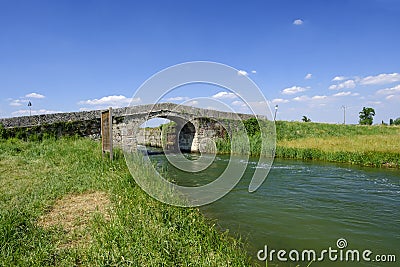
(377, 145)
(140, 231)
(358, 143)
(298, 130)
(363, 145)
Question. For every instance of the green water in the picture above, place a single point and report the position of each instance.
(307, 205)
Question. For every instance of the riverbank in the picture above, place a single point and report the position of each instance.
(376, 145)
(61, 203)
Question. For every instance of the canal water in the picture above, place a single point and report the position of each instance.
(305, 206)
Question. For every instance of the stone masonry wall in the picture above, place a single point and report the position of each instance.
(141, 110)
(87, 123)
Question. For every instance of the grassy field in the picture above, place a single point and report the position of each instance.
(298, 130)
(355, 144)
(358, 143)
(363, 145)
(61, 204)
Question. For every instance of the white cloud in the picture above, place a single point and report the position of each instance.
(258, 107)
(238, 103)
(242, 72)
(15, 103)
(345, 84)
(23, 101)
(319, 97)
(301, 98)
(383, 78)
(374, 102)
(308, 76)
(388, 91)
(298, 22)
(254, 71)
(18, 102)
(177, 98)
(192, 103)
(34, 95)
(112, 100)
(25, 112)
(279, 100)
(342, 94)
(293, 90)
(305, 98)
(224, 95)
(339, 79)
(393, 97)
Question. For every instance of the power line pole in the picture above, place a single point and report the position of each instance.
(276, 109)
(344, 114)
(30, 108)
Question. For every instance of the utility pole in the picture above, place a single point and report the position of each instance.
(276, 109)
(30, 108)
(344, 114)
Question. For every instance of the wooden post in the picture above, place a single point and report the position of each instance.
(106, 132)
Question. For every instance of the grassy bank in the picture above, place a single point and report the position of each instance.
(363, 145)
(62, 204)
(355, 144)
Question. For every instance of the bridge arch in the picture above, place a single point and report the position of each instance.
(196, 127)
(181, 136)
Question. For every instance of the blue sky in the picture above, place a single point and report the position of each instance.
(308, 57)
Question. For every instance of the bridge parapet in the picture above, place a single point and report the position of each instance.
(193, 124)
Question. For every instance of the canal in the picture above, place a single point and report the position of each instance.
(305, 206)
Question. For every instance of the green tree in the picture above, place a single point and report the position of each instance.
(366, 116)
(252, 126)
(305, 119)
(391, 122)
(396, 121)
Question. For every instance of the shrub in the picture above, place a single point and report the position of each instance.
(2, 132)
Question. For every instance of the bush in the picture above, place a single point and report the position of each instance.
(2, 132)
(252, 126)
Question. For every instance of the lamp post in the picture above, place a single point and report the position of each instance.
(344, 114)
(276, 110)
(30, 108)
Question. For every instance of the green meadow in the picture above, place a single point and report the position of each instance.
(62, 204)
(376, 145)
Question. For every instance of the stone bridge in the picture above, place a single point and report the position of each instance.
(193, 128)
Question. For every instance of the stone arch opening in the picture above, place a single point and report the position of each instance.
(174, 134)
(186, 137)
(150, 132)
